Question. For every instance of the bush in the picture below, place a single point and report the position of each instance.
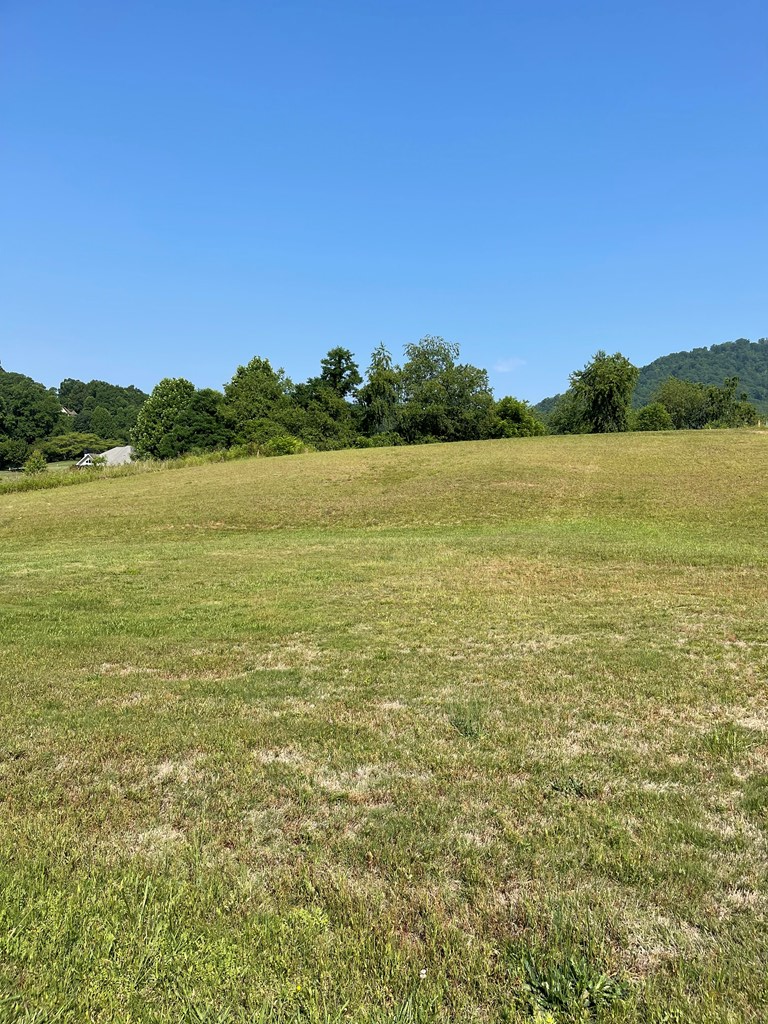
(652, 417)
(283, 444)
(517, 419)
(35, 463)
(389, 439)
(13, 453)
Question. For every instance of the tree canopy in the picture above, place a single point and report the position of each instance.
(692, 405)
(747, 360)
(604, 387)
(159, 415)
(441, 398)
(101, 408)
(431, 395)
(28, 410)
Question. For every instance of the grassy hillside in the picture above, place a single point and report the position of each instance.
(471, 732)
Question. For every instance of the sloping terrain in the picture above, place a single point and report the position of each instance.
(466, 732)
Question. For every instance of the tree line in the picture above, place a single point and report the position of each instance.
(599, 400)
(62, 423)
(431, 396)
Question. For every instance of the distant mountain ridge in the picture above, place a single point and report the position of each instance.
(747, 360)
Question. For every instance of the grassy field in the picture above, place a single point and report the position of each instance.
(472, 732)
(53, 467)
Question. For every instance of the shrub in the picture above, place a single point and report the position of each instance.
(35, 463)
(517, 419)
(13, 452)
(389, 439)
(283, 444)
(652, 417)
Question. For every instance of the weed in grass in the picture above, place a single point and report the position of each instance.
(573, 787)
(729, 742)
(468, 720)
(561, 962)
(756, 799)
(572, 986)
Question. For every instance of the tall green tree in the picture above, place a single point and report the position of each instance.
(340, 372)
(685, 401)
(380, 396)
(256, 397)
(321, 415)
(605, 387)
(28, 410)
(160, 413)
(102, 422)
(199, 426)
(443, 399)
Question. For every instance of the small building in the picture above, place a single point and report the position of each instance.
(114, 457)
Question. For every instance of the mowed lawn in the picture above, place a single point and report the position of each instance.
(471, 732)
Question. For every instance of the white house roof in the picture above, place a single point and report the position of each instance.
(113, 457)
(118, 456)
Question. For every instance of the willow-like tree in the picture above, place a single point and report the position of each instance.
(605, 387)
(379, 397)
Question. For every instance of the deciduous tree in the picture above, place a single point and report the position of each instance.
(517, 419)
(160, 413)
(605, 387)
(340, 372)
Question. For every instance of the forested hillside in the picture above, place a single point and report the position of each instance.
(102, 408)
(63, 423)
(747, 360)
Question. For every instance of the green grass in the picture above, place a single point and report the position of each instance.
(10, 476)
(279, 735)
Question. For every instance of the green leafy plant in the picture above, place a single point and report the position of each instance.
(573, 787)
(35, 463)
(571, 985)
(728, 742)
(283, 444)
(468, 720)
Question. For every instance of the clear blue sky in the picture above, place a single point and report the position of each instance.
(187, 183)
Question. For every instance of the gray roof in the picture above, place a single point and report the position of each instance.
(118, 456)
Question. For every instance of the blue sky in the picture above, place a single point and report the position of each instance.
(187, 183)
